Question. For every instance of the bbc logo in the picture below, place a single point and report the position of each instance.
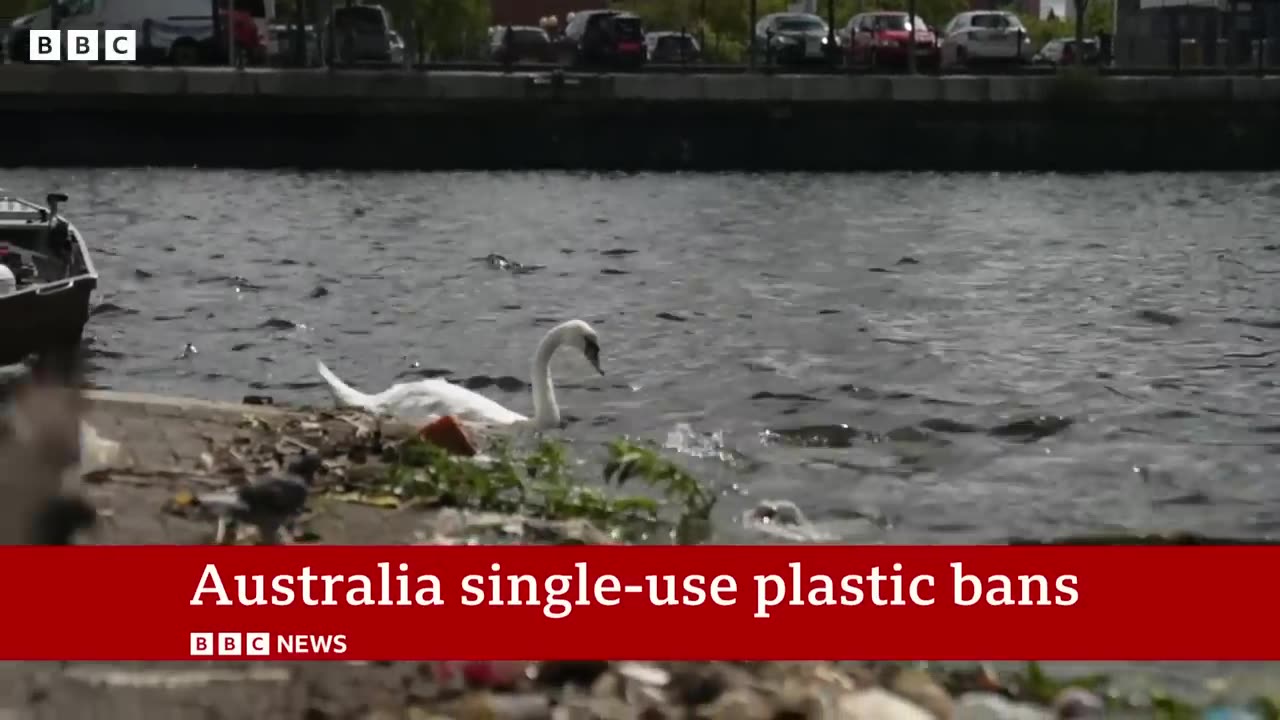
(82, 45)
(230, 644)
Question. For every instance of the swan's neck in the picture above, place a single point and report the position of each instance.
(546, 413)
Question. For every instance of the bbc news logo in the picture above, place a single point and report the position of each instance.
(82, 45)
(259, 644)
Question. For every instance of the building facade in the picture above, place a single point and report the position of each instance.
(1196, 33)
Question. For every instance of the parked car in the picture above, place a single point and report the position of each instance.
(286, 36)
(793, 38)
(1067, 51)
(520, 43)
(672, 47)
(603, 38)
(884, 38)
(981, 36)
(359, 33)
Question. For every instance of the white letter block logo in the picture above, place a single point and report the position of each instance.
(122, 46)
(82, 45)
(229, 643)
(257, 643)
(45, 45)
(201, 643)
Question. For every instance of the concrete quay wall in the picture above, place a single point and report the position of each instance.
(86, 115)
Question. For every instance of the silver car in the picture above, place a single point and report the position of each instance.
(985, 36)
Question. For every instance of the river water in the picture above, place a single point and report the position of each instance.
(908, 358)
(1009, 356)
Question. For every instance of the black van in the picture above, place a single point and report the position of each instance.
(604, 38)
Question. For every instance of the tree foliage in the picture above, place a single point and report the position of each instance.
(450, 28)
(1098, 18)
(17, 8)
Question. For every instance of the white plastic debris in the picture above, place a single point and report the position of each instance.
(96, 452)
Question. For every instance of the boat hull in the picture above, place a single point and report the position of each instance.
(44, 319)
(45, 316)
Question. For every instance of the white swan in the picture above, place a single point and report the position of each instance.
(426, 400)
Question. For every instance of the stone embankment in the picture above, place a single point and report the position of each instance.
(367, 119)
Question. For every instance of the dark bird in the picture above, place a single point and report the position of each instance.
(270, 505)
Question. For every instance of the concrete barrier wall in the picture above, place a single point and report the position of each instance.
(342, 87)
(69, 115)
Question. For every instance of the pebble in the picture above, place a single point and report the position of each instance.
(918, 687)
(1078, 704)
(738, 704)
(877, 704)
(488, 706)
(987, 706)
(693, 684)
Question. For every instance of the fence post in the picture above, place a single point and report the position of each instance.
(508, 48)
(146, 42)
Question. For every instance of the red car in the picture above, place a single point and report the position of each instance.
(885, 38)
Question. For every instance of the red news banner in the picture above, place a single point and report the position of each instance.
(610, 602)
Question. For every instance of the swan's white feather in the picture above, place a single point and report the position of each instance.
(423, 401)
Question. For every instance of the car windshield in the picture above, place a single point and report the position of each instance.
(889, 22)
(528, 36)
(994, 21)
(628, 28)
(799, 23)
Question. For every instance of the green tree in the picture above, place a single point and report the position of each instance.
(1098, 18)
(451, 29)
(1092, 17)
(17, 8)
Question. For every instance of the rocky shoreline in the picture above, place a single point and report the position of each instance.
(582, 690)
(369, 490)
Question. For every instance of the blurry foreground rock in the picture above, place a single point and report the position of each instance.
(40, 451)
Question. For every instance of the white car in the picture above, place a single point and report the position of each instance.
(985, 36)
